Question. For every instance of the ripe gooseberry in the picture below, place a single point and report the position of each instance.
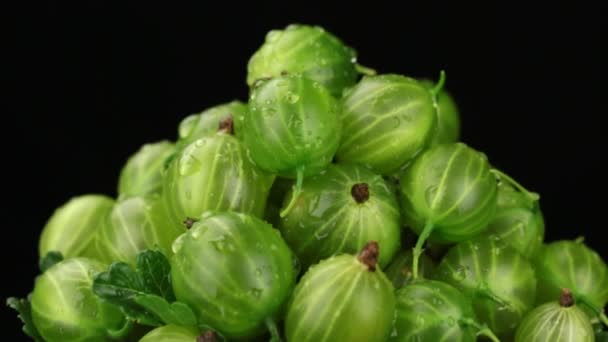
(399, 271)
(235, 272)
(141, 175)
(206, 123)
(342, 298)
(339, 211)
(292, 128)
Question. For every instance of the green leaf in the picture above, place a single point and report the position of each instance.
(176, 313)
(144, 294)
(23, 307)
(155, 270)
(50, 259)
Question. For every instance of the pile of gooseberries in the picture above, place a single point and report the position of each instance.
(336, 204)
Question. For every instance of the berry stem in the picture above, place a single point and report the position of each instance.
(297, 189)
(369, 255)
(532, 196)
(365, 70)
(272, 328)
(439, 85)
(426, 232)
(601, 315)
(482, 329)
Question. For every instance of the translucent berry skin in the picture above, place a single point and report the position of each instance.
(339, 299)
(292, 125)
(327, 220)
(234, 270)
(64, 307)
(499, 280)
(430, 310)
(572, 265)
(136, 224)
(551, 322)
(214, 173)
(141, 175)
(448, 117)
(399, 271)
(72, 227)
(518, 221)
(451, 187)
(171, 333)
(207, 122)
(307, 50)
(387, 120)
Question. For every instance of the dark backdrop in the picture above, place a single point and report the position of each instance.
(91, 83)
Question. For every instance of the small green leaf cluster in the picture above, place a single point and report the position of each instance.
(335, 204)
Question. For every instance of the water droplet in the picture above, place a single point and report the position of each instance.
(496, 250)
(353, 60)
(320, 235)
(189, 164)
(396, 121)
(291, 97)
(419, 321)
(460, 274)
(258, 272)
(256, 293)
(451, 321)
(199, 143)
(178, 243)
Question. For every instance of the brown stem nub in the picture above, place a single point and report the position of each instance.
(207, 336)
(369, 255)
(566, 299)
(227, 125)
(188, 222)
(360, 192)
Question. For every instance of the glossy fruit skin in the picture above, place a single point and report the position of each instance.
(387, 120)
(399, 271)
(292, 124)
(518, 221)
(141, 175)
(206, 123)
(171, 333)
(234, 270)
(338, 299)
(430, 310)
(307, 50)
(572, 265)
(64, 307)
(485, 266)
(550, 322)
(136, 224)
(451, 187)
(214, 173)
(448, 117)
(72, 227)
(326, 219)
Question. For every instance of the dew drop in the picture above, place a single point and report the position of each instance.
(291, 97)
(258, 272)
(419, 321)
(256, 293)
(320, 235)
(396, 121)
(178, 243)
(460, 274)
(451, 321)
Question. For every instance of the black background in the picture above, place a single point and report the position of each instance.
(90, 83)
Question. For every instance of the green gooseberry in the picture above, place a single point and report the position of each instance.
(141, 175)
(173, 333)
(518, 220)
(447, 195)
(399, 271)
(214, 173)
(573, 265)
(136, 224)
(387, 120)
(72, 227)
(64, 307)
(429, 310)
(292, 128)
(556, 321)
(339, 211)
(235, 271)
(448, 117)
(342, 298)
(499, 280)
(206, 123)
(307, 50)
